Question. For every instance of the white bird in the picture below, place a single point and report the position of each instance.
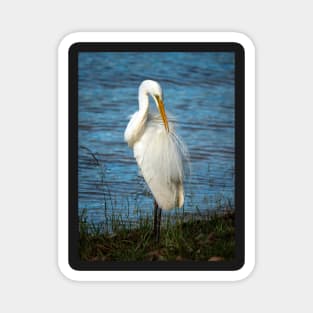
(160, 153)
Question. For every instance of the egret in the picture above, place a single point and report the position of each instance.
(160, 154)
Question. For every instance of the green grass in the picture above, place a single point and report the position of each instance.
(206, 237)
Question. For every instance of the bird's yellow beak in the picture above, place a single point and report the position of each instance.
(162, 112)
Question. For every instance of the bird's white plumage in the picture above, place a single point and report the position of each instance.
(160, 153)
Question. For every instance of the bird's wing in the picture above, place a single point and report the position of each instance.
(160, 159)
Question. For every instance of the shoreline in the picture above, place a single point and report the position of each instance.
(209, 237)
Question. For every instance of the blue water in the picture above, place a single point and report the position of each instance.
(198, 91)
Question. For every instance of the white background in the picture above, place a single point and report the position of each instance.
(29, 277)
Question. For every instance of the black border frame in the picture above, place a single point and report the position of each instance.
(73, 233)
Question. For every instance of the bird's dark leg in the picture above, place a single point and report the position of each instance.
(157, 222)
(159, 225)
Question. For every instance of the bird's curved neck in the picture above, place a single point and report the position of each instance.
(143, 100)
